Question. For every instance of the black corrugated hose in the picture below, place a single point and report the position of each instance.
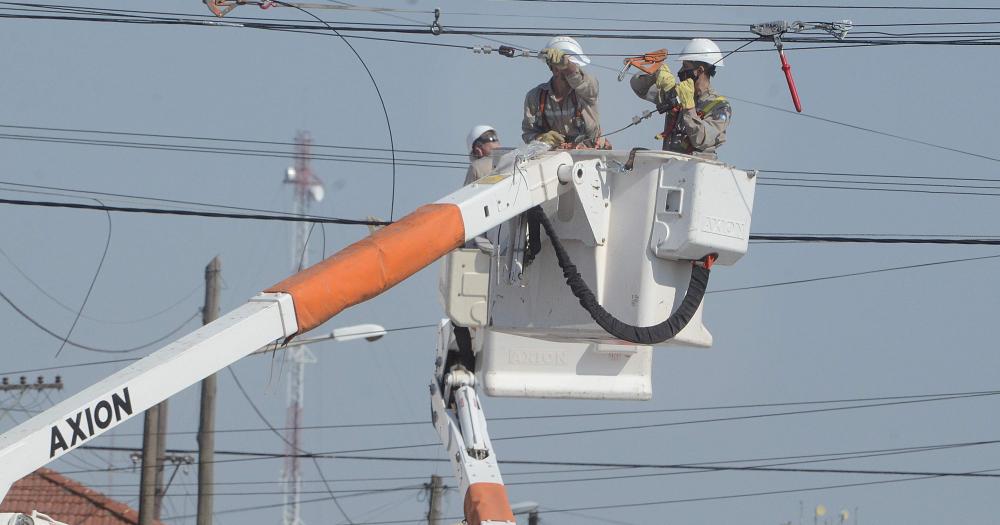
(643, 335)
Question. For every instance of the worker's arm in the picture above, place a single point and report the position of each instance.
(708, 131)
(585, 85)
(644, 87)
(531, 124)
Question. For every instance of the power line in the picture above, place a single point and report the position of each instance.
(90, 348)
(852, 274)
(333, 220)
(776, 6)
(683, 468)
(68, 308)
(93, 281)
(551, 416)
(870, 130)
(193, 213)
(267, 423)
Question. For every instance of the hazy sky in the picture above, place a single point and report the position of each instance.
(901, 333)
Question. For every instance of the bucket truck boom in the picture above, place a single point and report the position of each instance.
(634, 236)
(292, 307)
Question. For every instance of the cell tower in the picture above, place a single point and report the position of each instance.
(308, 189)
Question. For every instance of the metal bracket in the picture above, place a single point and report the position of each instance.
(593, 194)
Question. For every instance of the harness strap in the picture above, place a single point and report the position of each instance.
(543, 97)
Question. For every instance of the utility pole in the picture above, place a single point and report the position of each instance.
(161, 450)
(147, 473)
(206, 423)
(436, 491)
(308, 188)
(20, 388)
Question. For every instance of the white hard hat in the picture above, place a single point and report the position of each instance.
(475, 133)
(571, 47)
(702, 50)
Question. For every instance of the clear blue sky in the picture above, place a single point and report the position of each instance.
(911, 332)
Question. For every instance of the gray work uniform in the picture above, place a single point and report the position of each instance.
(683, 132)
(575, 117)
(478, 168)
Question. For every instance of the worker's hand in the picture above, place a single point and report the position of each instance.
(665, 80)
(555, 58)
(552, 138)
(685, 94)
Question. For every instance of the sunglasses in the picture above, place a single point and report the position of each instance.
(486, 138)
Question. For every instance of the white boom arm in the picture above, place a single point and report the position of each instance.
(292, 307)
(460, 421)
(103, 406)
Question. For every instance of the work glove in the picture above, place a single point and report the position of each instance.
(552, 138)
(665, 80)
(685, 94)
(555, 57)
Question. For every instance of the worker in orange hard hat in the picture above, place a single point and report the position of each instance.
(563, 110)
(480, 143)
(699, 116)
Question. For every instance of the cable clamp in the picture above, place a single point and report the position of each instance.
(436, 28)
(482, 50)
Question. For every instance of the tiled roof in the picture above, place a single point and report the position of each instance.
(65, 500)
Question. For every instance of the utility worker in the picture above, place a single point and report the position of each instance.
(480, 143)
(564, 109)
(698, 116)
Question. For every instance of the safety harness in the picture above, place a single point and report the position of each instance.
(671, 122)
(543, 97)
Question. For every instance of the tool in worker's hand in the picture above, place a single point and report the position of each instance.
(774, 31)
(647, 62)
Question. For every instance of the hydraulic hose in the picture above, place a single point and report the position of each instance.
(643, 335)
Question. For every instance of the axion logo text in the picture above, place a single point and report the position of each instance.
(85, 423)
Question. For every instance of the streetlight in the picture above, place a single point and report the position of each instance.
(368, 332)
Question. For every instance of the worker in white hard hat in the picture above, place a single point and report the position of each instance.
(480, 143)
(562, 112)
(698, 117)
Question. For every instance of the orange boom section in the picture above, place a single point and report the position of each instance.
(487, 502)
(374, 264)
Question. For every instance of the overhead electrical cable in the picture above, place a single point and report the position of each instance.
(70, 309)
(91, 348)
(674, 468)
(853, 274)
(871, 130)
(93, 281)
(260, 415)
(645, 412)
(388, 124)
(880, 7)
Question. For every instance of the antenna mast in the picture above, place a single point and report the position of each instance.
(308, 188)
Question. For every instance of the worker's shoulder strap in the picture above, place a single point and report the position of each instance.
(716, 102)
(543, 96)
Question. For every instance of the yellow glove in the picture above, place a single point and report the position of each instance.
(555, 57)
(552, 138)
(685, 94)
(665, 79)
